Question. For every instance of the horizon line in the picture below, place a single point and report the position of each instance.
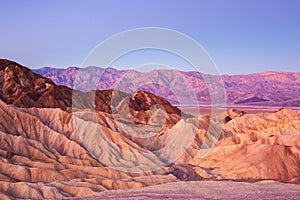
(115, 68)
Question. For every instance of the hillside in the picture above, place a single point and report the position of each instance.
(53, 148)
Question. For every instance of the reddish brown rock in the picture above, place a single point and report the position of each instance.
(130, 141)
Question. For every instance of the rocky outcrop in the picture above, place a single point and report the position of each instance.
(263, 146)
(42, 155)
(57, 142)
(282, 122)
(23, 88)
(59, 154)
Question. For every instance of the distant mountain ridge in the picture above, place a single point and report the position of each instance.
(260, 89)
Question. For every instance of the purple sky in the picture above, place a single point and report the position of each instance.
(241, 36)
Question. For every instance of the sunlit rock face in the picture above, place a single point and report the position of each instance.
(263, 146)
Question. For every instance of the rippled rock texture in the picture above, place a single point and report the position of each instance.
(57, 142)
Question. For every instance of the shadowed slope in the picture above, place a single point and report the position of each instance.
(23, 88)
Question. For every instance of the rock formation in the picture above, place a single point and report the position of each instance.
(57, 142)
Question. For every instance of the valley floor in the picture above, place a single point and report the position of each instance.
(204, 110)
(206, 190)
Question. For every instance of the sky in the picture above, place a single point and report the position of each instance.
(240, 36)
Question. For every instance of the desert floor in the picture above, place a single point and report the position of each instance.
(203, 109)
(207, 190)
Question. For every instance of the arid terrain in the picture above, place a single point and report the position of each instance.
(206, 190)
(59, 142)
(261, 89)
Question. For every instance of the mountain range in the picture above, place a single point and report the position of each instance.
(59, 142)
(186, 88)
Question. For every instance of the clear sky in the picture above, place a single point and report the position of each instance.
(242, 36)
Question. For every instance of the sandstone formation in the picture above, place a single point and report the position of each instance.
(57, 142)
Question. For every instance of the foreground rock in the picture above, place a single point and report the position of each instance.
(57, 154)
(263, 146)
